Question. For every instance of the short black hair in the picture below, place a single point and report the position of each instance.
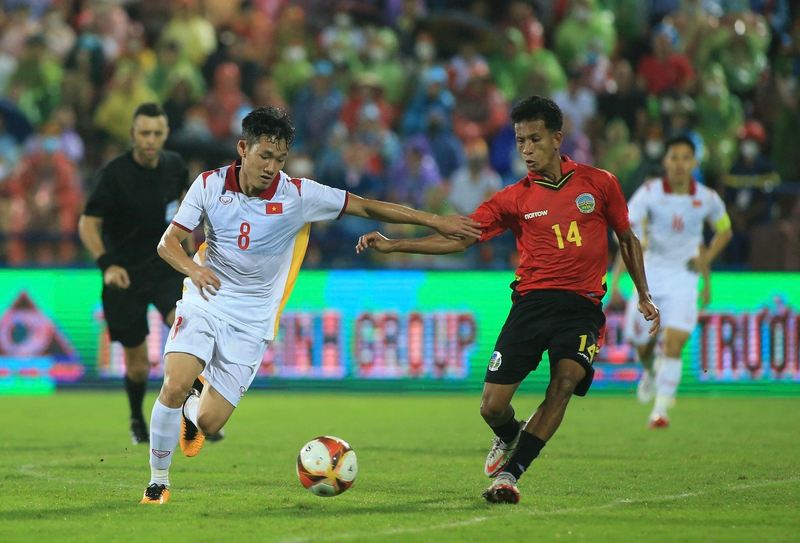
(149, 109)
(681, 140)
(538, 108)
(271, 122)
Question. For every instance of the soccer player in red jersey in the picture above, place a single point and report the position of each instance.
(559, 214)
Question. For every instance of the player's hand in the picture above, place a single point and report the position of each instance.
(651, 313)
(705, 295)
(116, 277)
(205, 280)
(375, 241)
(457, 227)
(699, 264)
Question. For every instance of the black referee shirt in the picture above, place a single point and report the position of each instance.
(136, 205)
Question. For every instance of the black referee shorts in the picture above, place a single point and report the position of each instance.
(565, 324)
(126, 309)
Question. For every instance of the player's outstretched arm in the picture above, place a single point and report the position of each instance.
(171, 250)
(631, 251)
(453, 227)
(430, 245)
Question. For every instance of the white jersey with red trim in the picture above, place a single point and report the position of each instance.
(254, 245)
(671, 226)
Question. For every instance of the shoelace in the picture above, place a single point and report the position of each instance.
(153, 491)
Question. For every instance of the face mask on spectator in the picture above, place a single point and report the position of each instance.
(749, 149)
(582, 14)
(302, 167)
(295, 53)
(425, 50)
(654, 149)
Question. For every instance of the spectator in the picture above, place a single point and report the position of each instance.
(787, 83)
(293, 71)
(224, 100)
(446, 148)
(423, 59)
(171, 67)
(343, 40)
(461, 68)
(179, 100)
(476, 182)
(577, 101)
(521, 17)
(412, 176)
(749, 189)
(38, 80)
(268, 93)
(70, 142)
(84, 77)
(481, 111)
(317, 108)
(382, 144)
(510, 70)
(382, 60)
(45, 204)
(128, 90)
(60, 37)
(586, 22)
(621, 157)
(624, 100)
(719, 115)
(650, 166)
(19, 28)
(192, 31)
(407, 23)
(367, 89)
(432, 96)
(665, 70)
(9, 154)
(233, 48)
(575, 144)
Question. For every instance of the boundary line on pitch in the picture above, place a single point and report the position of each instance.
(477, 520)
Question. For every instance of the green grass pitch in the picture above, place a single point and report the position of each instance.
(727, 470)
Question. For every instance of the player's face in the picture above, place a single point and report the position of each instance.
(537, 146)
(680, 162)
(262, 161)
(149, 135)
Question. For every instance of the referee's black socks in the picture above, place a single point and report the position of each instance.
(135, 396)
(528, 448)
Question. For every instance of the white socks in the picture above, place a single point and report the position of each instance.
(165, 431)
(667, 380)
(190, 408)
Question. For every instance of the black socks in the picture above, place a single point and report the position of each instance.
(509, 430)
(528, 448)
(135, 397)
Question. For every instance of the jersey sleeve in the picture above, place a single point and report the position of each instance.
(716, 211)
(192, 208)
(101, 201)
(321, 202)
(615, 209)
(495, 215)
(637, 210)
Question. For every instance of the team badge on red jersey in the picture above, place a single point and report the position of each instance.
(585, 203)
(274, 209)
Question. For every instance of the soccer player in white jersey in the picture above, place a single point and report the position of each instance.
(669, 214)
(257, 222)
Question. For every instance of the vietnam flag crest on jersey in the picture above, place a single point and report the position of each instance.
(274, 209)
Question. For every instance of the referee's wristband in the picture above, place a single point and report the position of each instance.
(104, 262)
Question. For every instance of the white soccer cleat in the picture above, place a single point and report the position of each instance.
(503, 490)
(646, 389)
(501, 453)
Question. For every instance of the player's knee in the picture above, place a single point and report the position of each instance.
(173, 393)
(491, 412)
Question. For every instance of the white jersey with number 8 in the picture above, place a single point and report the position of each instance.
(254, 245)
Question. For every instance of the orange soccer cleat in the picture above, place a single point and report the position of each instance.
(155, 493)
(658, 421)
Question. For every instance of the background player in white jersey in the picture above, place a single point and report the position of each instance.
(257, 222)
(669, 214)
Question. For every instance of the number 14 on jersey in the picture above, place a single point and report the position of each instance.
(573, 234)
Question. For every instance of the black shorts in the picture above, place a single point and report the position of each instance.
(126, 309)
(565, 324)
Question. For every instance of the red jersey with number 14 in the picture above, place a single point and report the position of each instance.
(561, 228)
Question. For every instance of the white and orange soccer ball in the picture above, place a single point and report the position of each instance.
(327, 466)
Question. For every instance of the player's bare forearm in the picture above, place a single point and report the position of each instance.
(631, 251)
(451, 226)
(616, 272)
(89, 230)
(170, 248)
(430, 245)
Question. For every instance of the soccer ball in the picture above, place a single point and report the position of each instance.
(327, 466)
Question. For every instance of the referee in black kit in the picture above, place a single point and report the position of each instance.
(134, 199)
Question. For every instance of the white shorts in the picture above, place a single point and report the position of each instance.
(232, 357)
(678, 310)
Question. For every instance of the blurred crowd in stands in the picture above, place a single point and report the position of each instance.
(404, 100)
